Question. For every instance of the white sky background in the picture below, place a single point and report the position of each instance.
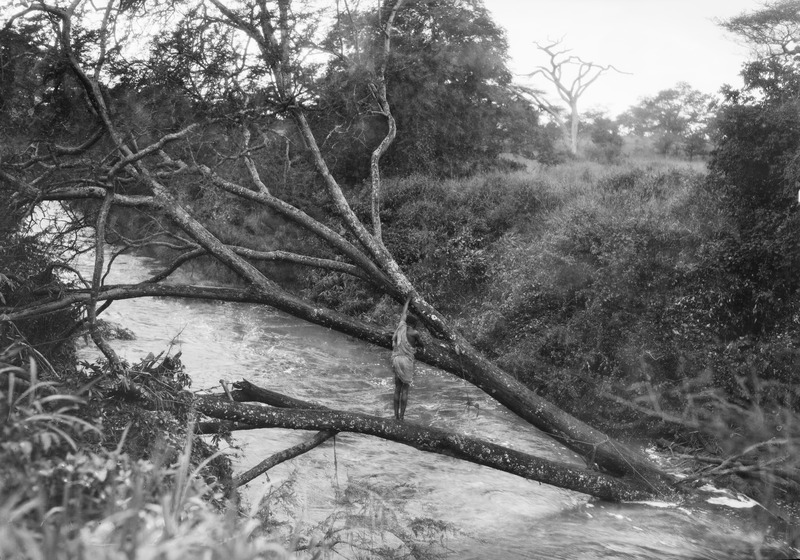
(660, 42)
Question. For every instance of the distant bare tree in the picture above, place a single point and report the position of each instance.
(571, 76)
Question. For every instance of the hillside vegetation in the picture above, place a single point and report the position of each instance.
(609, 288)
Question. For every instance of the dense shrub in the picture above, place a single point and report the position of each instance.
(440, 231)
(614, 284)
(755, 168)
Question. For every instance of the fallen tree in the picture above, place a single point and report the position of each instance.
(161, 170)
(433, 440)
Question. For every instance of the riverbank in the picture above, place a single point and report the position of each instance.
(98, 465)
(364, 490)
(630, 296)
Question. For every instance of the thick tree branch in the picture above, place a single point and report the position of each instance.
(91, 308)
(428, 439)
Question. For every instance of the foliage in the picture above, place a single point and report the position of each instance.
(381, 527)
(607, 143)
(671, 116)
(448, 91)
(63, 497)
(609, 291)
(754, 166)
(37, 92)
(773, 29)
(695, 144)
(578, 287)
(440, 230)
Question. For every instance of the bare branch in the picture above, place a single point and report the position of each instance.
(274, 256)
(251, 166)
(99, 248)
(152, 148)
(282, 456)
(379, 92)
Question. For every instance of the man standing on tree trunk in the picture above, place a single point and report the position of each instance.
(404, 340)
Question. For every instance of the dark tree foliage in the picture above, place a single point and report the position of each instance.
(38, 94)
(448, 91)
(756, 166)
(773, 78)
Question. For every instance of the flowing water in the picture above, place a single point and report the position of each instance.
(378, 493)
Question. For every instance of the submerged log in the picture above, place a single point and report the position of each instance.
(475, 450)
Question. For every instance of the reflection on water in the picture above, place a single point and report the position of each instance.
(490, 514)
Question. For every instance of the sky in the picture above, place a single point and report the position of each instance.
(658, 43)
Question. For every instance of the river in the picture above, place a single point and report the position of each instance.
(375, 493)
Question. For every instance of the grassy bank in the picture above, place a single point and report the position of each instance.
(98, 465)
(90, 471)
(622, 293)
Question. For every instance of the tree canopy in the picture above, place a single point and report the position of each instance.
(448, 85)
(672, 116)
(772, 30)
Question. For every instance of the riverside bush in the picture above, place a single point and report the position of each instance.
(614, 284)
(65, 497)
(440, 230)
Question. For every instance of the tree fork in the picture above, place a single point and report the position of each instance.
(246, 391)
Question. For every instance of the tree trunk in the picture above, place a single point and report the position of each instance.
(432, 440)
(574, 122)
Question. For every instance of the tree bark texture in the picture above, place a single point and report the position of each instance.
(561, 475)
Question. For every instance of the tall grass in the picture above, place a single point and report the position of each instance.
(64, 498)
